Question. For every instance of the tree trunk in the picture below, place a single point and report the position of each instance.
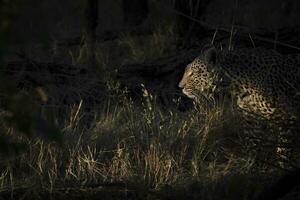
(135, 11)
(91, 22)
(190, 9)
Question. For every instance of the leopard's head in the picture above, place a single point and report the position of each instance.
(200, 77)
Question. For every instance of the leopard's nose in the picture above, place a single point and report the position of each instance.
(181, 84)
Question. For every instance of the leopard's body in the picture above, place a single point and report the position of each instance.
(265, 84)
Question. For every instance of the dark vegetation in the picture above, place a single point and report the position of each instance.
(90, 107)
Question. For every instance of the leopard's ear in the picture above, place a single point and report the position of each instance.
(209, 53)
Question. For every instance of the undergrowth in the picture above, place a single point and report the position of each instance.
(143, 145)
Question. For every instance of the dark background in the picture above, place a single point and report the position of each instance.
(90, 104)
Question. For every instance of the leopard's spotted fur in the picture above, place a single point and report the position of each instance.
(265, 84)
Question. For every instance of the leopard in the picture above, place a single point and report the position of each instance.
(264, 83)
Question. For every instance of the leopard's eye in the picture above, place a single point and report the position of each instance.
(190, 73)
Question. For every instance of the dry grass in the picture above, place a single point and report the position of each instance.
(143, 145)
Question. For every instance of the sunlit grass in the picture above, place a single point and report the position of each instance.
(140, 144)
